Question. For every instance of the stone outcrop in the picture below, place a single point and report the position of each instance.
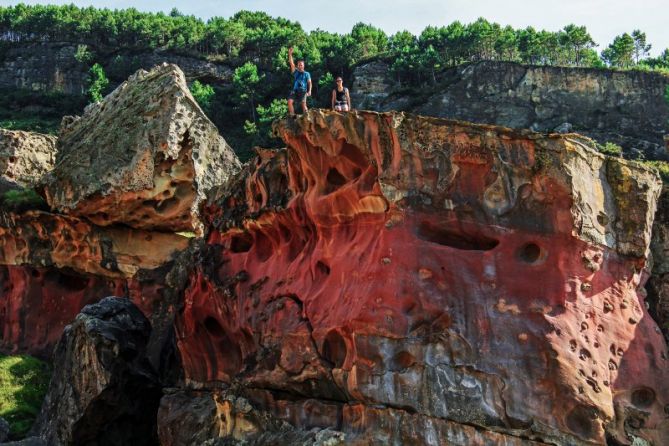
(25, 156)
(627, 108)
(202, 417)
(103, 390)
(54, 265)
(401, 278)
(51, 66)
(42, 239)
(143, 157)
(43, 66)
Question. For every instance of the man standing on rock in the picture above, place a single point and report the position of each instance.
(301, 84)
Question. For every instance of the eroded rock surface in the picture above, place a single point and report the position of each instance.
(25, 156)
(418, 278)
(144, 156)
(53, 265)
(223, 418)
(103, 390)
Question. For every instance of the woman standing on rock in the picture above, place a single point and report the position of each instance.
(341, 100)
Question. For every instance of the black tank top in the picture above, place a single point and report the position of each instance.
(341, 95)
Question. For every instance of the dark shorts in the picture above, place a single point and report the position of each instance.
(299, 96)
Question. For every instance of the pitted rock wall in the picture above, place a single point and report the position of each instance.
(471, 274)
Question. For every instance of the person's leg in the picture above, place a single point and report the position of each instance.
(304, 105)
(291, 109)
(344, 107)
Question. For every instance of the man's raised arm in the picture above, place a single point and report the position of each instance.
(290, 60)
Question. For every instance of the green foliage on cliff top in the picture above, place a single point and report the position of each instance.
(23, 383)
(254, 46)
(258, 37)
(19, 200)
(610, 149)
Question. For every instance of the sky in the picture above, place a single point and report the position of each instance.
(604, 18)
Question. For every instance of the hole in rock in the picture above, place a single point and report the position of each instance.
(354, 155)
(166, 206)
(72, 282)
(285, 232)
(334, 179)
(643, 397)
(322, 269)
(213, 327)
(263, 247)
(228, 352)
(334, 349)
(241, 243)
(402, 360)
(530, 253)
(455, 237)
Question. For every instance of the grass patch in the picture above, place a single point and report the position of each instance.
(610, 149)
(24, 381)
(40, 125)
(22, 200)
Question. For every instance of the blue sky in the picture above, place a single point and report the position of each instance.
(604, 18)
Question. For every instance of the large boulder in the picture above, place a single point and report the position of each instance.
(103, 390)
(421, 278)
(144, 156)
(25, 157)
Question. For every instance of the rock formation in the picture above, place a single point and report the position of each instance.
(54, 264)
(53, 66)
(400, 278)
(25, 156)
(144, 156)
(627, 108)
(103, 390)
(386, 278)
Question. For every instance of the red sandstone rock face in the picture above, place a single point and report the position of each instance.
(55, 265)
(460, 273)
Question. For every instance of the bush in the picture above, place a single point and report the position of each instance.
(203, 94)
(24, 381)
(610, 149)
(20, 200)
(97, 83)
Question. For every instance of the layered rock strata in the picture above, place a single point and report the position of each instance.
(418, 278)
(25, 156)
(627, 108)
(143, 157)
